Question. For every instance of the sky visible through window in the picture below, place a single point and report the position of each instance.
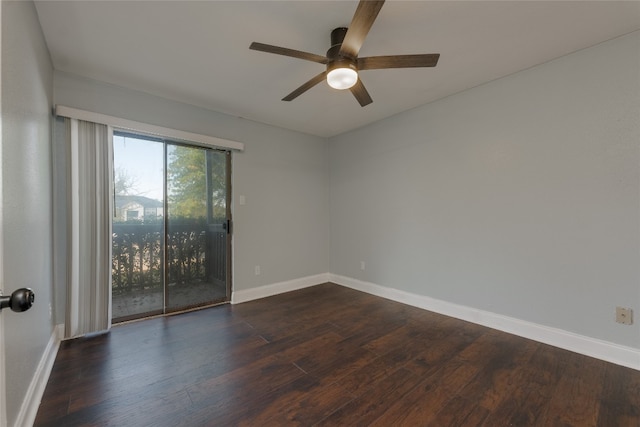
(141, 162)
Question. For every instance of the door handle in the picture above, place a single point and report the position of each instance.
(227, 226)
(20, 300)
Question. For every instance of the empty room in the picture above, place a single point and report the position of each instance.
(266, 213)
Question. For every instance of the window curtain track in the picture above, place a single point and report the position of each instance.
(89, 205)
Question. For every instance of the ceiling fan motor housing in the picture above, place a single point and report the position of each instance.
(337, 37)
(335, 59)
(342, 63)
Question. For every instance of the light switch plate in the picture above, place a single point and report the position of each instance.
(624, 315)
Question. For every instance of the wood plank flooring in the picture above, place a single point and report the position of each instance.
(329, 356)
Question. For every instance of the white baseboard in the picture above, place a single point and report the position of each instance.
(32, 399)
(604, 350)
(238, 297)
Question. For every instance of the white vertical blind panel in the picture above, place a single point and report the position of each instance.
(90, 254)
(73, 263)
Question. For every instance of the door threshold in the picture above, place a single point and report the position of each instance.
(172, 313)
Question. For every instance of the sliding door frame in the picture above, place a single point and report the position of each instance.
(228, 226)
(229, 235)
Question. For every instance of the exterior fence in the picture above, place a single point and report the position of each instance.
(195, 253)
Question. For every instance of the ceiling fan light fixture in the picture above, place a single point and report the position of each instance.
(342, 60)
(342, 74)
(342, 78)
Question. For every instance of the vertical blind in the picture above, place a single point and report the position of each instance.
(89, 250)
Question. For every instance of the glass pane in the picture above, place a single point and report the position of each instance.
(196, 237)
(138, 254)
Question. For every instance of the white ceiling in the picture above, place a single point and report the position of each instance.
(198, 52)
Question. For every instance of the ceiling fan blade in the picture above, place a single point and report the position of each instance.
(305, 87)
(361, 94)
(363, 19)
(288, 52)
(398, 61)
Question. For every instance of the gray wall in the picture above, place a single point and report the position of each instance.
(26, 197)
(520, 197)
(283, 227)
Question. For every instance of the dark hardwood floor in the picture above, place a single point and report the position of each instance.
(329, 355)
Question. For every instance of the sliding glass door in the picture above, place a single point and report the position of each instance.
(196, 223)
(170, 228)
(138, 244)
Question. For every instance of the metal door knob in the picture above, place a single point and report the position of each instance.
(20, 300)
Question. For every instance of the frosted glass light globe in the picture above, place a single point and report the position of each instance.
(342, 78)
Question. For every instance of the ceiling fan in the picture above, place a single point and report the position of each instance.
(342, 62)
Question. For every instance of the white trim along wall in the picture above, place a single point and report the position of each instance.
(610, 352)
(238, 297)
(607, 351)
(31, 402)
